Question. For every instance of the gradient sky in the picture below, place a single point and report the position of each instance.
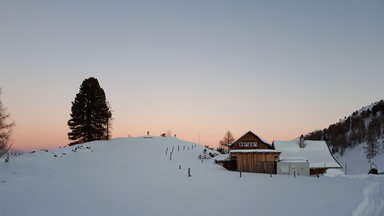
(277, 68)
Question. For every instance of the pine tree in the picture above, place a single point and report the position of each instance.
(227, 139)
(5, 130)
(91, 115)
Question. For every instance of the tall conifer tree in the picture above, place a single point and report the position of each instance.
(91, 116)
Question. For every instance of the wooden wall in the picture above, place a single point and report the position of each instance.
(258, 162)
(317, 171)
(229, 165)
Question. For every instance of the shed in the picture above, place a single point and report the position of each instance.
(293, 166)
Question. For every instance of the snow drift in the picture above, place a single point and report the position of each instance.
(137, 176)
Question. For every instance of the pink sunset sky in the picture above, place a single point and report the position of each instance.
(197, 68)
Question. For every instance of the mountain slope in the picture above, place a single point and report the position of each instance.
(354, 161)
(135, 176)
(362, 127)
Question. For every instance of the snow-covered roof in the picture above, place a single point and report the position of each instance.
(223, 157)
(252, 150)
(293, 159)
(316, 152)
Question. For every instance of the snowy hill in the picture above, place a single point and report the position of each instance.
(350, 135)
(355, 161)
(135, 176)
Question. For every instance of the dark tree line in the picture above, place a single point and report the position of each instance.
(91, 115)
(362, 126)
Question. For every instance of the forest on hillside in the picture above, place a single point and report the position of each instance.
(362, 126)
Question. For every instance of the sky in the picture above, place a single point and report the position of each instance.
(197, 68)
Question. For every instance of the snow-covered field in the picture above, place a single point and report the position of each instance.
(134, 176)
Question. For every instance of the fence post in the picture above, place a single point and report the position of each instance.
(346, 170)
(189, 172)
(170, 156)
(166, 151)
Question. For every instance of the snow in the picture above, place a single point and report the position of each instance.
(366, 108)
(134, 176)
(354, 161)
(316, 152)
(373, 203)
(334, 172)
(252, 150)
(293, 159)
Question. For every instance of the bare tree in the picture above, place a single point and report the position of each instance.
(5, 130)
(372, 147)
(169, 132)
(227, 139)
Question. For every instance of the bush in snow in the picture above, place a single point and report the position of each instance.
(211, 154)
(203, 157)
(221, 150)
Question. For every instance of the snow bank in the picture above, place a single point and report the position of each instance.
(334, 172)
(373, 201)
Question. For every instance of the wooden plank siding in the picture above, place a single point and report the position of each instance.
(258, 162)
(229, 165)
(317, 171)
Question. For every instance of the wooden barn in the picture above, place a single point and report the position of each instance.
(250, 153)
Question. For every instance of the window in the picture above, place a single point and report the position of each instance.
(248, 144)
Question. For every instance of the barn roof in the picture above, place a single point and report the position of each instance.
(316, 152)
(250, 132)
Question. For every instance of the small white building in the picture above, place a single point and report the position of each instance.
(316, 153)
(293, 166)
